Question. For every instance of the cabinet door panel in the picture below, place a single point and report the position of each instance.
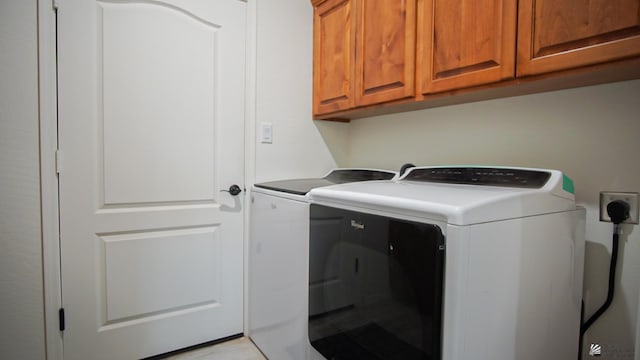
(334, 51)
(465, 43)
(557, 35)
(385, 58)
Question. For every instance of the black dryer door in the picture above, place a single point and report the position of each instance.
(375, 286)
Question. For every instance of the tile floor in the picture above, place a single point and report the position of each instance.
(237, 349)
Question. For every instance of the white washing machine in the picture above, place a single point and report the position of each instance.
(453, 263)
(278, 263)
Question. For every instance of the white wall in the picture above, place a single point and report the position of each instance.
(591, 133)
(21, 291)
(301, 147)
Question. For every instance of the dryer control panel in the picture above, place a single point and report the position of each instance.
(487, 176)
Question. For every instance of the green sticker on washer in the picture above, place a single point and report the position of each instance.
(567, 184)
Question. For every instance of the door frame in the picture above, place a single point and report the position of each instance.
(49, 165)
(48, 117)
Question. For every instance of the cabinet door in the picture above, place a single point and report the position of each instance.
(334, 55)
(385, 58)
(465, 43)
(558, 35)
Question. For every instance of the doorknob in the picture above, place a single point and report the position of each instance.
(233, 190)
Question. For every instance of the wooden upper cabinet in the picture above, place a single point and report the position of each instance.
(464, 43)
(414, 53)
(385, 57)
(558, 35)
(334, 56)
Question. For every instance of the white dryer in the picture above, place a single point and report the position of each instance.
(278, 261)
(453, 263)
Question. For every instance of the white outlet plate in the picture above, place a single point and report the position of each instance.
(631, 198)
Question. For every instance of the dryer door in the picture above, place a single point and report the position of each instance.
(375, 286)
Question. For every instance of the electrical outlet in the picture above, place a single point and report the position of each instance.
(630, 198)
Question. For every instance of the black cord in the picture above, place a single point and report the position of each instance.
(612, 278)
(618, 211)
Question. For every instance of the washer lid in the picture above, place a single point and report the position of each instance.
(454, 201)
(336, 176)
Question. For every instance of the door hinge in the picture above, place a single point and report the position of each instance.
(58, 161)
(61, 319)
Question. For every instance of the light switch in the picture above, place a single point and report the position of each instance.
(266, 133)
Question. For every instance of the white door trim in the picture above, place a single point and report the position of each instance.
(49, 143)
(48, 177)
(249, 138)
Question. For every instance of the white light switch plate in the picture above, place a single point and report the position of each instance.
(266, 133)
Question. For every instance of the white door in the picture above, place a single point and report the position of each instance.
(151, 126)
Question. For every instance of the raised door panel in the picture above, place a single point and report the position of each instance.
(148, 110)
(385, 58)
(558, 35)
(465, 43)
(334, 52)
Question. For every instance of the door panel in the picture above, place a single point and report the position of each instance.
(385, 58)
(465, 43)
(334, 56)
(558, 35)
(181, 258)
(141, 100)
(572, 22)
(150, 94)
